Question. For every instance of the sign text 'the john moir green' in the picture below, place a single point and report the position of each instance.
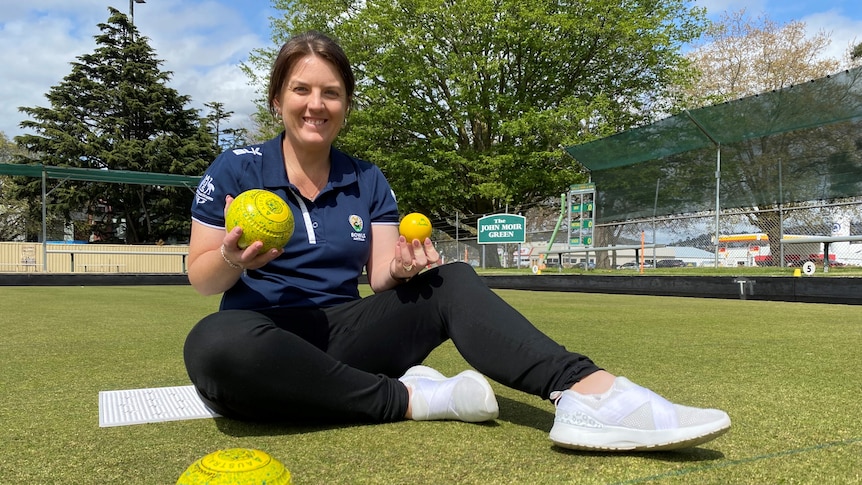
(502, 229)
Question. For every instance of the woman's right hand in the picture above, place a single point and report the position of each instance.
(215, 262)
(250, 257)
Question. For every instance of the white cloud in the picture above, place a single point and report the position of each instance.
(843, 31)
(35, 54)
(225, 84)
(201, 42)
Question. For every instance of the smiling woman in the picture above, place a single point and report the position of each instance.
(294, 339)
(312, 104)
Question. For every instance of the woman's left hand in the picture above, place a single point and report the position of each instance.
(412, 257)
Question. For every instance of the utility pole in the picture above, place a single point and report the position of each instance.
(132, 9)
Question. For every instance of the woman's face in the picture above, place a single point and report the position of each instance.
(312, 104)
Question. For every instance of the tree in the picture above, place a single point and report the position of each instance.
(740, 56)
(743, 57)
(13, 212)
(466, 105)
(115, 111)
(226, 138)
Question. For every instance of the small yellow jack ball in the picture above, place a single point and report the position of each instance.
(415, 226)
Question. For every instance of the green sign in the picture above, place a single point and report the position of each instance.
(502, 229)
(581, 241)
(582, 214)
(582, 188)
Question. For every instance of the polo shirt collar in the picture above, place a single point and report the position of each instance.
(342, 171)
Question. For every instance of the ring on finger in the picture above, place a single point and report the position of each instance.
(407, 267)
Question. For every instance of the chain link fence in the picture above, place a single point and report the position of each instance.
(751, 237)
(746, 237)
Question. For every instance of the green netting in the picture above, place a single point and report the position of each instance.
(797, 144)
(95, 175)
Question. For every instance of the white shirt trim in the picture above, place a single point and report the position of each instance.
(306, 216)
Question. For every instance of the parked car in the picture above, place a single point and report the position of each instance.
(670, 263)
(629, 265)
(583, 265)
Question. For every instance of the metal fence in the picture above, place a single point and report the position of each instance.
(92, 258)
(752, 237)
(747, 237)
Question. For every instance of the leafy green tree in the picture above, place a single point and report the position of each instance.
(466, 105)
(115, 111)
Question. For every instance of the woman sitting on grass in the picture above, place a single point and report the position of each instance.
(294, 340)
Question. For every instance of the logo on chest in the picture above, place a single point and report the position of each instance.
(357, 224)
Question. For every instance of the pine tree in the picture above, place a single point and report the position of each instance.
(226, 138)
(115, 111)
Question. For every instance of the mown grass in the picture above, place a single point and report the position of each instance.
(789, 374)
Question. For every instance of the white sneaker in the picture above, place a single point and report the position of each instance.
(630, 417)
(465, 397)
(423, 371)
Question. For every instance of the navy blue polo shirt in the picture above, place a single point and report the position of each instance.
(331, 241)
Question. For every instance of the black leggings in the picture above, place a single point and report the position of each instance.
(342, 363)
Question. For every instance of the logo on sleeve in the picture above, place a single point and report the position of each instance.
(357, 224)
(205, 189)
(251, 150)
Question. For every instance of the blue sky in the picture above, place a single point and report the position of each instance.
(204, 41)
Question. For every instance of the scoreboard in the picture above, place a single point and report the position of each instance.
(582, 213)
